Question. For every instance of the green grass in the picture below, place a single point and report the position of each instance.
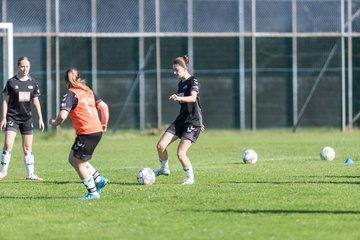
(288, 194)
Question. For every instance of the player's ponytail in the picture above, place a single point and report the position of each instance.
(186, 59)
(73, 79)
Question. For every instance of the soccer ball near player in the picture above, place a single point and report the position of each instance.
(327, 153)
(250, 156)
(146, 176)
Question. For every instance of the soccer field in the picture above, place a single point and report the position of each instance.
(288, 194)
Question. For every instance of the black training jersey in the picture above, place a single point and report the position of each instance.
(190, 112)
(20, 95)
(69, 101)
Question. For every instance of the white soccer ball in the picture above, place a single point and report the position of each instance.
(250, 156)
(146, 176)
(327, 153)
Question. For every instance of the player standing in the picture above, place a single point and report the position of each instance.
(188, 124)
(82, 105)
(18, 94)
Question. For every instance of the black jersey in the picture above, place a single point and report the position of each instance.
(20, 95)
(69, 101)
(190, 112)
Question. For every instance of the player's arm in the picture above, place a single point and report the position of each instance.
(68, 102)
(37, 105)
(104, 111)
(5, 104)
(61, 117)
(191, 98)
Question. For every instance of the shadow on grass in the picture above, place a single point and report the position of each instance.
(338, 176)
(240, 162)
(123, 183)
(60, 182)
(110, 183)
(294, 182)
(331, 176)
(34, 198)
(67, 182)
(40, 182)
(282, 211)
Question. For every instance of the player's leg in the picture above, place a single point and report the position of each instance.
(189, 136)
(165, 140)
(100, 181)
(29, 160)
(183, 147)
(81, 152)
(10, 136)
(80, 167)
(26, 130)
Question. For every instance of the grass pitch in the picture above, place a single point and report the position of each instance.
(288, 194)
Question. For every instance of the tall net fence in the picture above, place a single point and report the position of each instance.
(261, 63)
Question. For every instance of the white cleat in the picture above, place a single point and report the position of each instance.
(165, 172)
(3, 175)
(188, 181)
(34, 178)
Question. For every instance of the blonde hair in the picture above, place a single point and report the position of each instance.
(182, 61)
(73, 80)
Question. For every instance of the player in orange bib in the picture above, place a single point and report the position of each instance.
(82, 105)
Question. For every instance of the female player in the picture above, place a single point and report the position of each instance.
(19, 92)
(188, 124)
(81, 105)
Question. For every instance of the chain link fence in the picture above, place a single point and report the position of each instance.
(261, 63)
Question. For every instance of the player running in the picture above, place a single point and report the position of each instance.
(81, 105)
(188, 124)
(18, 94)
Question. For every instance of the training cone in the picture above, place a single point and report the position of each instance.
(349, 161)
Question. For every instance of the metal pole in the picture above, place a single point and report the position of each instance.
(294, 63)
(9, 51)
(190, 39)
(48, 63)
(343, 101)
(141, 65)
(347, 24)
(241, 67)
(4, 11)
(350, 65)
(4, 46)
(158, 65)
(253, 52)
(94, 64)
(57, 55)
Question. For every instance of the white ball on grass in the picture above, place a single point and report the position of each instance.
(145, 176)
(250, 156)
(327, 153)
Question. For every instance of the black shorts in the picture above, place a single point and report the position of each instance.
(187, 131)
(85, 145)
(26, 128)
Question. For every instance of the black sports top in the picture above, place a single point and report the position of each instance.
(20, 95)
(190, 112)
